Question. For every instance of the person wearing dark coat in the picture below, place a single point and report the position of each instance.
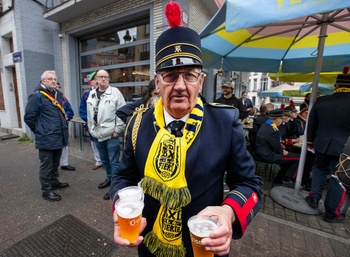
(327, 132)
(306, 102)
(46, 118)
(182, 169)
(229, 98)
(247, 103)
(269, 149)
(127, 110)
(257, 123)
(69, 115)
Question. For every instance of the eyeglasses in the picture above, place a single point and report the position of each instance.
(188, 76)
(102, 77)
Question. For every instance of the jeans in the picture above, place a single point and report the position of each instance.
(48, 173)
(109, 152)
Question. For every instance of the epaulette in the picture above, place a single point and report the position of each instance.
(220, 105)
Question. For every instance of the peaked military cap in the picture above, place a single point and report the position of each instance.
(343, 79)
(277, 113)
(178, 46)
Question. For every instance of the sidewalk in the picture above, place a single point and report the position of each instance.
(276, 231)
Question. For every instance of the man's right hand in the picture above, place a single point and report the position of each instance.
(125, 242)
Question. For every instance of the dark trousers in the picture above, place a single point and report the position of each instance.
(289, 166)
(309, 163)
(48, 173)
(334, 199)
(325, 166)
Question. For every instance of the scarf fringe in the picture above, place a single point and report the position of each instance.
(160, 249)
(171, 197)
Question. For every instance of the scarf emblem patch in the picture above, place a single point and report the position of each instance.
(171, 223)
(167, 159)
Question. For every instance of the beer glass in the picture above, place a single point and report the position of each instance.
(200, 227)
(131, 194)
(129, 210)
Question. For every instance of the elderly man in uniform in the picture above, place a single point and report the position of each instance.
(182, 167)
(327, 132)
(270, 149)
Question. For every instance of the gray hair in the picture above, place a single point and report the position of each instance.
(46, 73)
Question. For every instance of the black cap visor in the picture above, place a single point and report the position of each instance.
(178, 62)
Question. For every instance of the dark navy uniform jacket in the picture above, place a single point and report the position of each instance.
(46, 120)
(219, 147)
(329, 123)
(268, 144)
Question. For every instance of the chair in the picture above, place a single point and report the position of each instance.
(271, 169)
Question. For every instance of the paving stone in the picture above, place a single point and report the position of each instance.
(275, 231)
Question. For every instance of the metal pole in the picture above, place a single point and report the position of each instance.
(320, 49)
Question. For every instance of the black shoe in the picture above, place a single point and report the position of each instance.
(68, 167)
(339, 219)
(106, 196)
(59, 185)
(104, 184)
(313, 203)
(51, 196)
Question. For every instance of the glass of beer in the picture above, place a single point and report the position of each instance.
(200, 227)
(129, 210)
(131, 194)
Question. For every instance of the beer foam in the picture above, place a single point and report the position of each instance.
(129, 210)
(132, 193)
(202, 227)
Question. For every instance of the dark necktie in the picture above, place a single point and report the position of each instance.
(176, 127)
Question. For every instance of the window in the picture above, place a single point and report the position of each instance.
(264, 84)
(123, 51)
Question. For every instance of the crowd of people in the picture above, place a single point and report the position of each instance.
(182, 171)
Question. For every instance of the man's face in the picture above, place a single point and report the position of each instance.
(102, 78)
(50, 82)
(286, 118)
(244, 96)
(179, 89)
(226, 90)
(278, 121)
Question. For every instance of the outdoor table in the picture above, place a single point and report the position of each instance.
(81, 123)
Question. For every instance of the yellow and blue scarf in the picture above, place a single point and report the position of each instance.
(165, 181)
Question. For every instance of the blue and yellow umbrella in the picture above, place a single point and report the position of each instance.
(260, 36)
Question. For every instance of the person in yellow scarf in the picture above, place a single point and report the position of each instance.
(182, 169)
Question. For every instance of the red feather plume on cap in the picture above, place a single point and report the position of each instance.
(291, 104)
(282, 106)
(346, 69)
(173, 14)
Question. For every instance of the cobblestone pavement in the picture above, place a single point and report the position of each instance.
(276, 231)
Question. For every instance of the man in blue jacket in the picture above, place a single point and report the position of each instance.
(69, 115)
(45, 116)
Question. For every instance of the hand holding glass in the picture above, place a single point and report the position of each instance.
(129, 210)
(200, 227)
